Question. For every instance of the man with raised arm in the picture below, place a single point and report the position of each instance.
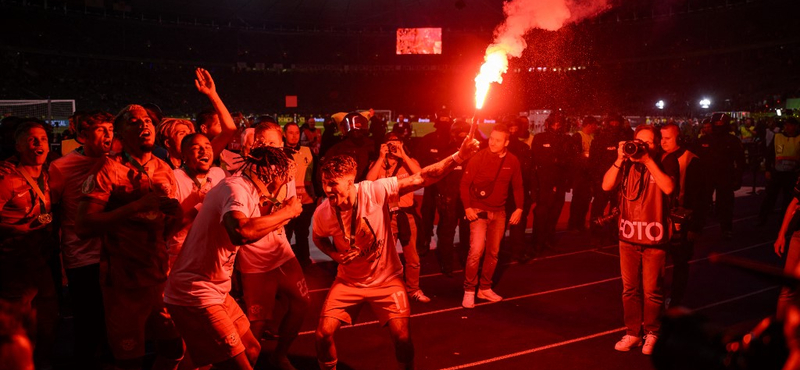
(353, 227)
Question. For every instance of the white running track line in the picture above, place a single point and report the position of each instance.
(595, 335)
(547, 257)
(596, 282)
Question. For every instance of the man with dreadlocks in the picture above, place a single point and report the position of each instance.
(269, 269)
(238, 211)
(353, 226)
(644, 231)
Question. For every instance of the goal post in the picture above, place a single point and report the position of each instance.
(54, 111)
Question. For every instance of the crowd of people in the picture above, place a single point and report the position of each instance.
(179, 232)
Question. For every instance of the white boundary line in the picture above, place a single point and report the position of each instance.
(566, 342)
(556, 290)
(606, 253)
(549, 257)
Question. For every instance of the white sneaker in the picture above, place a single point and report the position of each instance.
(489, 295)
(420, 296)
(627, 342)
(649, 342)
(469, 300)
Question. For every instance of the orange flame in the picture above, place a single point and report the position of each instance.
(494, 65)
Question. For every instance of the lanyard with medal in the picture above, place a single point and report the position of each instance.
(151, 215)
(195, 180)
(139, 167)
(44, 217)
(265, 200)
(353, 219)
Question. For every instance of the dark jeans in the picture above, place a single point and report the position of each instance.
(602, 199)
(428, 214)
(681, 251)
(545, 216)
(579, 207)
(516, 233)
(642, 287)
(87, 307)
(451, 214)
(722, 188)
(782, 183)
(299, 227)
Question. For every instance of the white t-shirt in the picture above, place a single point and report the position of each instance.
(202, 272)
(67, 175)
(271, 251)
(191, 199)
(378, 261)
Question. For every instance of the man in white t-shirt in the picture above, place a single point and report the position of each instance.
(81, 256)
(353, 227)
(194, 179)
(235, 212)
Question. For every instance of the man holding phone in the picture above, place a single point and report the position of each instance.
(484, 191)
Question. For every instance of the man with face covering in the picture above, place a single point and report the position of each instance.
(433, 148)
(553, 156)
(354, 126)
(723, 156)
(449, 206)
(602, 153)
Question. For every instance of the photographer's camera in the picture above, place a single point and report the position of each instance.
(634, 148)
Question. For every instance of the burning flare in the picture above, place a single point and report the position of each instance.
(496, 63)
(521, 17)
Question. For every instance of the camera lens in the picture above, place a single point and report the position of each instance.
(634, 148)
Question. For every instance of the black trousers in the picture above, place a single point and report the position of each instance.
(549, 203)
(579, 207)
(428, 215)
(516, 233)
(299, 228)
(782, 183)
(451, 214)
(681, 251)
(602, 200)
(87, 307)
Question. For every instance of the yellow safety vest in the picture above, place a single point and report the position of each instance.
(787, 153)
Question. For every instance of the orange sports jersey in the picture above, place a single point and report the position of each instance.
(20, 206)
(19, 201)
(134, 251)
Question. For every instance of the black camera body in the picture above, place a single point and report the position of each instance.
(392, 147)
(634, 148)
(603, 221)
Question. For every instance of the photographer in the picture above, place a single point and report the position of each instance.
(644, 189)
(394, 162)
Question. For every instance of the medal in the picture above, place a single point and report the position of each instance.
(45, 218)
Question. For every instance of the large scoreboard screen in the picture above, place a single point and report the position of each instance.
(419, 41)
